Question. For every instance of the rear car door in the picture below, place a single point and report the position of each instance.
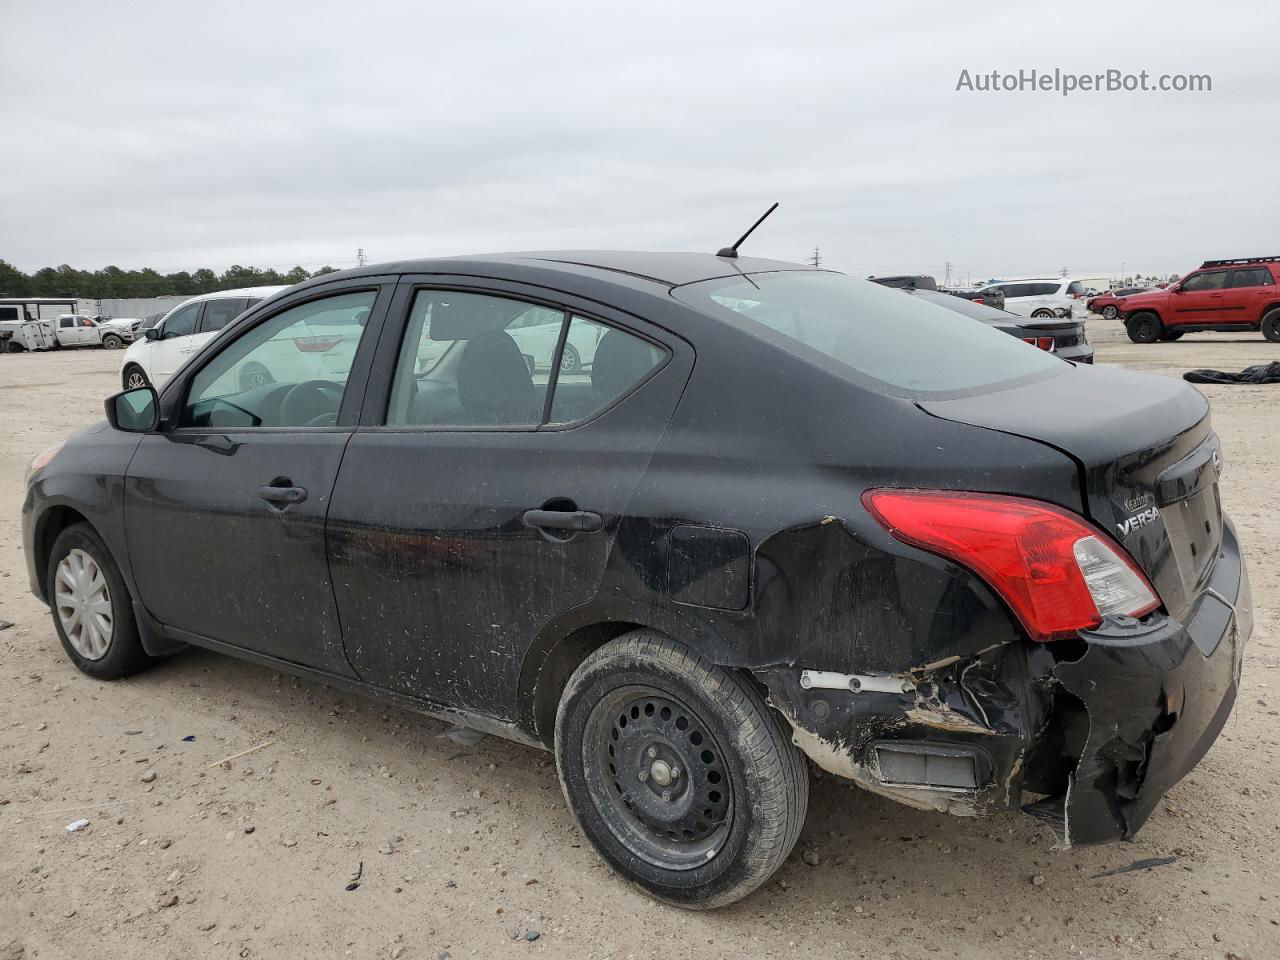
(480, 498)
(172, 349)
(1199, 299)
(1248, 291)
(225, 507)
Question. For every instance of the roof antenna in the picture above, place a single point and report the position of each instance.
(732, 252)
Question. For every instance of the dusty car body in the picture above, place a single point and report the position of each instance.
(734, 509)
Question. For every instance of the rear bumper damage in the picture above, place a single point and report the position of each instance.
(1086, 735)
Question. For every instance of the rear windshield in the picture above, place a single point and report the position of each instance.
(901, 344)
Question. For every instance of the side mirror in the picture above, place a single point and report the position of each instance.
(1177, 289)
(152, 333)
(134, 411)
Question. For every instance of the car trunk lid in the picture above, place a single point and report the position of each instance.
(1147, 457)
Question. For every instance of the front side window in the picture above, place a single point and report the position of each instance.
(897, 344)
(1212, 280)
(218, 313)
(288, 371)
(182, 323)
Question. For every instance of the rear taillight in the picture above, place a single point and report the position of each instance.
(1056, 572)
(316, 344)
(1044, 343)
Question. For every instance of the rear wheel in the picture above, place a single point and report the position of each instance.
(254, 375)
(112, 342)
(1271, 326)
(570, 361)
(681, 777)
(1042, 314)
(13, 346)
(1110, 312)
(133, 377)
(1144, 327)
(92, 609)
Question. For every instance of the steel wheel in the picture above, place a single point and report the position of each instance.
(658, 778)
(83, 604)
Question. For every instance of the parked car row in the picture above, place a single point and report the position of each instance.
(66, 330)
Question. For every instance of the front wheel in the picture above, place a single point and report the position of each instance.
(681, 777)
(1144, 328)
(92, 609)
(112, 342)
(1110, 312)
(1271, 326)
(133, 377)
(570, 361)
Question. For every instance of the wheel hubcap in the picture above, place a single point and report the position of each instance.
(83, 604)
(135, 380)
(658, 777)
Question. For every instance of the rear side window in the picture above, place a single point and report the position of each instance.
(218, 313)
(600, 364)
(474, 360)
(1256, 277)
(182, 323)
(1019, 289)
(890, 341)
(1212, 280)
(1075, 288)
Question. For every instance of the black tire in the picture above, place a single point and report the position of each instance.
(254, 375)
(1110, 311)
(1042, 314)
(570, 360)
(1171, 335)
(112, 341)
(133, 376)
(738, 811)
(1271, 326)
(1144, 327)
(13, 346)
(123, 654)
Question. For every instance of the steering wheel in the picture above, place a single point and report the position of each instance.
(312, 403)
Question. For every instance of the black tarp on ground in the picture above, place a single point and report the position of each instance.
(1259, 373)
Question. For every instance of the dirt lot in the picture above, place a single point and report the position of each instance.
(469, 851)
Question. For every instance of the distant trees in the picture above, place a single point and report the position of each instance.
(112, 282)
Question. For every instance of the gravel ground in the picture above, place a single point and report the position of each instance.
(468, 850)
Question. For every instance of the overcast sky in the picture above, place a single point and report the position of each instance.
(181, 135)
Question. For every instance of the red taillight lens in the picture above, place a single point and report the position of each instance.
(1057, 573)
(1044, 343)
(316, 344)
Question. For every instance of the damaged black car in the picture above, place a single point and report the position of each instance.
(691, 522)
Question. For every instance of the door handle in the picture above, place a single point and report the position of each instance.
(579, 521)
(282, 494)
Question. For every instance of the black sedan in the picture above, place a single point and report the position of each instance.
(1065, 338)
(774, 515)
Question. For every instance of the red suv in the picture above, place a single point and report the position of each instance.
(1221, 295)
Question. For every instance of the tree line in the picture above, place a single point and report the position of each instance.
(114, 283)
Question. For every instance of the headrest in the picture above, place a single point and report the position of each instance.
(464, 316)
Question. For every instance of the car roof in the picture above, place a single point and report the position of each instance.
(262, 292)
(665, 269)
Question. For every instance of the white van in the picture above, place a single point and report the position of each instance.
(156, 355)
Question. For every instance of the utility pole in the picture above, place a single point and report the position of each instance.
(1065, 271)
(816, 259)
(361, 260)
(947, 281)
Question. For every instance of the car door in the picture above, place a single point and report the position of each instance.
(1247, 291)
(1198, 299)
(479, 499)
(225, 505)
(172, 349)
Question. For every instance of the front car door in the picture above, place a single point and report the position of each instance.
(480, 497)
(1198, 299)
(225, 506)
(172, 349)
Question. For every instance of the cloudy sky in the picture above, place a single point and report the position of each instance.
(180, 135)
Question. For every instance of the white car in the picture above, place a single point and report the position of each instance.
(1040, 297)
(537, 334)
(162, 349)
(116, 331)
